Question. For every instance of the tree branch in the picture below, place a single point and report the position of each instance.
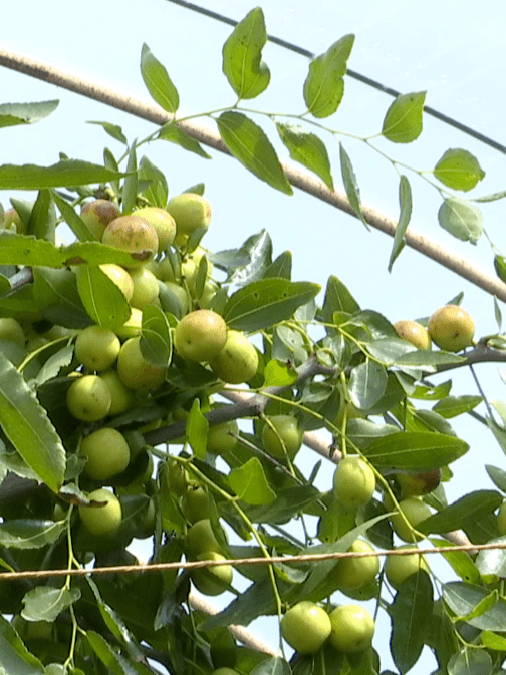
(299, 179)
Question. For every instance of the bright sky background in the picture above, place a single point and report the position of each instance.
(455, 50)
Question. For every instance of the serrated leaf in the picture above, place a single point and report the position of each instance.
(45, 603)
(12, 114)
(350, 185)
(113, 130)
(249, 144)
(324, 84)
(403, 122)
(27, 426)
(30, 534)
(406, 202)
(175, 134)
(67, 172)
(14, 656)
(197, 427)
(459, 169)
(416, 451)
(463, 221)
(264, 303)
(308, 149)
(156, 338)
(469, 508)
(247, 74)
(250, 483)
(158, 82)
(102, 299)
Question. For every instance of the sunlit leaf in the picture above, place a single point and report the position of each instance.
(158, 82)
(45, 604)
(463, 221)
(350, 185)
(250, 483)
(12, 114)
(156, 338)
(459, 169)
(406, 201)
(308, 149)
(403, 122)
(175, 134)
(62, 174)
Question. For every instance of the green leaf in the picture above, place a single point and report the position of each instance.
(56, 293)
(72, 219)
(324, 85)
(337, 299)
(247, 74)
(158, 82)
(457, 516)
(249, 144)
(14, 656)
(491, 198)
(411, 612)
(131, 182)
(350, 185)
(493, 562)
(114, 662)
(459, 169)
(27, 426)
(462, 598)
(67, 172)
(428, 359)
(156, 338)
(278, 374)
(288, 502)
(493, 641)
(12, 114)
(460, 561)
(250, 483)
(197, 427)
(451, 406)
(308, 149)
(497, 475)
(403, 122)
(45, 603)
(42, 222)
(406, 202)
(29, 534)
(113, 130)
(463, 221)
(158, 192)
(247, 263)
(281, 268)
(368, 383)
(103, 300)
(274, 665)
(175, 134)
(53, 365)
(415, 450)
(265, 303)
(471, 662)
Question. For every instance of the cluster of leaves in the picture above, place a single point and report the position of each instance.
(315, 359)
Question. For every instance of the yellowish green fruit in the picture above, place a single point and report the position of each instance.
(419, 483)
(166, 271)
(164, 224)
(416, 511)
(102, 520)
(200, 335)
(132, 327)
(399, 568)
(191, 212)
(11, 330)
(212, 580)
(122, 398)
(353, 573)
(238, 360)
(146, 288)
(200, 539)
(414, 332)
(354, 482)
(134, 235)
(452, 328)
(196, 504)
(96, 347)
(107, 453)
(220, 439)
(284, 437)
(121, 278)
(88, 398)
(305, 627)
(134, 370)
(97, 215)
(352, 628)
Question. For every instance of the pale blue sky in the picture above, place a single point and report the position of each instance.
(456, 50)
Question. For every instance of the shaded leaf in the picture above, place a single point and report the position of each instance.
(29, 534)
(158, 82)
(451, 406)
(367, 384)
(337, 299)
(350, 184)
(14, 656)
(113, 130)
(174, 134)
(158, 192)
(406, 202)
(308, 149)
(12, 114)
(462, 598)
(156, 337)
(463, 221)
(471, 662)
(102, 298)
(45, 603)
(469, 508)
(197, 427)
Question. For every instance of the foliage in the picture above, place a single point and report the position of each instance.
(328, 363)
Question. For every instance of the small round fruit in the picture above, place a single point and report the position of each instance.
(133, 234)
(501, 519)
(196, 504)
(414, 332)
(146, 288)
(220, 439)
(353, 573)
(120, 277)
(107, 451)
(399, 567)
(419, 483)
(224, 671)
(178, 476)
(286, 437)
(134, 370)
(354, 482)
(416, 511)
(191, 212)
(238, 360)
(96, 347)
(451, 328)
(88, 398)
(201, 539)
(200, 335)
(103, 520)
(164, 224)
(97, 215)
(212, 580)
(11, 330)
(352, 628)
(132, 327)
(122, 398)
(305, 627)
